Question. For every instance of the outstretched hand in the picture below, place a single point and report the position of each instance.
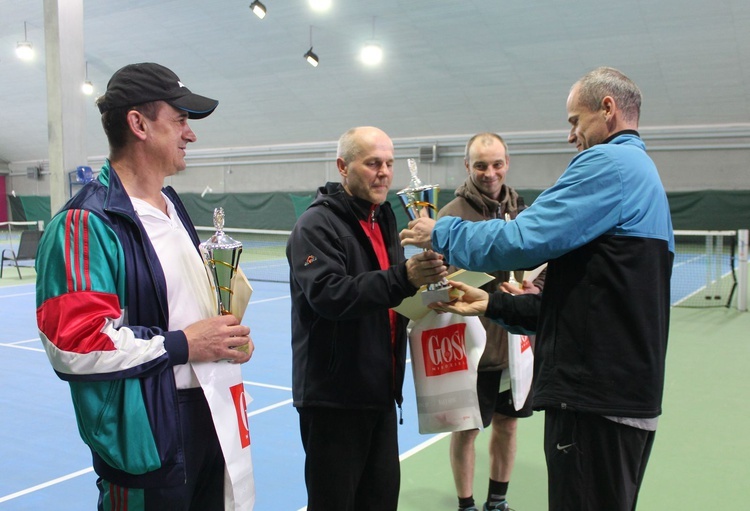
(526, 287)
(471, 301)
(418, 233)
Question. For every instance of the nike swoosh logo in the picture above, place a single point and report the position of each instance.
(564, 447)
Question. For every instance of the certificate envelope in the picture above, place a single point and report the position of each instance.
(412, 306)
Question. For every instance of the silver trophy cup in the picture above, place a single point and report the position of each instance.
(415, 198)
(221, 254)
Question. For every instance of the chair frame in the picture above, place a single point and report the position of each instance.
(27, 246)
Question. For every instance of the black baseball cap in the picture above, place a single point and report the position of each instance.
(137, 84)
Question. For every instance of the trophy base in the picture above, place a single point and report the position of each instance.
(441, 294)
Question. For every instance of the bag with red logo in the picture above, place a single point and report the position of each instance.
(521, 365)
(225, 393)
(445, 352)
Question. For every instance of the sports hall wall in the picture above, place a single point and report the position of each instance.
(705, 173)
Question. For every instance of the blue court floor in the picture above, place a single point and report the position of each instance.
(45, 465)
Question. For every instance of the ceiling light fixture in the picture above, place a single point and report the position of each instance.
(372, 53)
(24, 49)
(258, 9)
(87, 87)
(320, 5)
(310, 56)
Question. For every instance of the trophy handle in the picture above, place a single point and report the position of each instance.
(429, 205)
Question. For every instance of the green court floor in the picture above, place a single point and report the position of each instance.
(701, 458)
(10, 275)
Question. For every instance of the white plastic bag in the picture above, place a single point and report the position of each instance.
(225, 393)
(445, 352)
(521, 365)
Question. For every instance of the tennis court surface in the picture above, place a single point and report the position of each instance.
(699, 460)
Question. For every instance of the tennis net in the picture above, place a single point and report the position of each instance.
(705, 269)
(263, 252)
(704, 272)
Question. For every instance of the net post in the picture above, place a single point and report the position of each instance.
(742, 288)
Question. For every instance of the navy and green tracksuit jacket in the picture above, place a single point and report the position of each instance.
(102, 314)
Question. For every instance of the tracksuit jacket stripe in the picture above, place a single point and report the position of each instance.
(76, 250)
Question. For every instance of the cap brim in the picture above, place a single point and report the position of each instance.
(195, 105)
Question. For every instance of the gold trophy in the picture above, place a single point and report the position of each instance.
(221, 254)
(415, 198)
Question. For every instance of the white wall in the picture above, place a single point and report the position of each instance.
(689, 158)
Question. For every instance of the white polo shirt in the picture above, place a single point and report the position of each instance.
(189, 291)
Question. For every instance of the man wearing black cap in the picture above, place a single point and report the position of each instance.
(126, 312)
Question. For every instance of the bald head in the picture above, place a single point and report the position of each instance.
(364, 159)
(354, 140)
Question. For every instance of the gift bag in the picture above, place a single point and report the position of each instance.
(445, 352)
(521, 365)
(225, 393)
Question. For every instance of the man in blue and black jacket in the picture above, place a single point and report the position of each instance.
(606, 231)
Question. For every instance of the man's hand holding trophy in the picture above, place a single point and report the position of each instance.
(419, 200)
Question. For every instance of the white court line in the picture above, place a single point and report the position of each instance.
(15, 345)
(424, 445)
(35, 339)
(692, 260)
(267, 385)
(413, 450)
(700, 290)
(17, 294)
(269, 300)
(269, 408)
(91, 469)
(45, 485)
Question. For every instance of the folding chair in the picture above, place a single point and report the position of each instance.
(26, 250)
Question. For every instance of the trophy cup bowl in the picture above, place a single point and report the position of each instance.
(415, 198)
(221, 254)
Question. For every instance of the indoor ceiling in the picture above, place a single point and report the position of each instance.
(449, 67)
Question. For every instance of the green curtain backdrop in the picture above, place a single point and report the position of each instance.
(708, 209)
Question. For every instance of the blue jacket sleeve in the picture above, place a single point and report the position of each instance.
(585, 203)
